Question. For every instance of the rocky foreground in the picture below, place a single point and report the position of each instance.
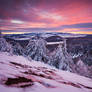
(17, 74)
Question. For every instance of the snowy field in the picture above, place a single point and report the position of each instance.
(17, 74)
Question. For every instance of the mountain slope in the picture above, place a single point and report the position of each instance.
(55, 55)
(17, 74)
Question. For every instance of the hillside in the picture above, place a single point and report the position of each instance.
(17, 74)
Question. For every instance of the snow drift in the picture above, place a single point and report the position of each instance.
(17, 74)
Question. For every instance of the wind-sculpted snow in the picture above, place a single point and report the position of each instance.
(17, 74)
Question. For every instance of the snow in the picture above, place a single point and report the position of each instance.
(51, 43)
(22, 39)
(52, 80)
(64, 35)
(77, 55)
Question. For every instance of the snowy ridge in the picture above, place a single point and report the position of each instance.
(17, 74)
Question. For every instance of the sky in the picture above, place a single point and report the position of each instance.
(25, 16)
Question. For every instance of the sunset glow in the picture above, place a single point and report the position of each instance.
(69, 16)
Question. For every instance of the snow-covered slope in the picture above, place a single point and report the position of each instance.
(17, 74)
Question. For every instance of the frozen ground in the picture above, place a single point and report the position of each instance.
(17, 74)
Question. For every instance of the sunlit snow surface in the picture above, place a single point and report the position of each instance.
(17, 74)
